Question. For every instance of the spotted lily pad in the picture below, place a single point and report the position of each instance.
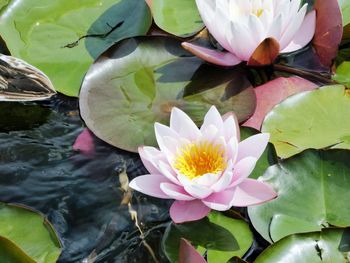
(139, 80)
(26, 236)
(311, 188)
(310, 120)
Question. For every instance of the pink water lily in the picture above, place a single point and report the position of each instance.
(241, 26)
(203, 169)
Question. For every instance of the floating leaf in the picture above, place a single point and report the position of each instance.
(311, 188)
(180, 17)
(20, 81)
(28, 232)
(62, 37)
(239, 229)
(328, 32)
(272, 93)
(345, 8)
(10, 253)
(138, 81)
(318, 247)
(343, 73)
(302, 121)
(200, 233)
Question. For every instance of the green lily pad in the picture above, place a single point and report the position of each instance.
(26, 235)
(180, 17)
(239, 229)
(345, 8)
(139, 80)
(10, 253)
(312, 189)
(343, 73)
(310, 120)
(222, 236)
(45, 33)
(267, 159)
(318, 247)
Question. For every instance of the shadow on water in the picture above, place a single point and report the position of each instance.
(80, 195)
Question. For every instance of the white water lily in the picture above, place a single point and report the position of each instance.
(240, 26)
(203, 169)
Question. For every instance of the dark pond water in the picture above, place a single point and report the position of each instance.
(80, 195)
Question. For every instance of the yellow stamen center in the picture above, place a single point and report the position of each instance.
(197, 159)
(259, 12)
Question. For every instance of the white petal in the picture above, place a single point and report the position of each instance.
(206, 179)
(241, 41)
(293, 28)
(183, 125)
(162, 131)
(213, 118)
(196, 190)
(225, 179)
(304, 35)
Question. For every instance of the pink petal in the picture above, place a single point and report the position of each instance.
(272, 93)
(175, 191)
(85, 143)
(161, 132)
(149, 157)
(183, 125)
(188, 254)
(242, 170)
(212, 56)
(184, 211)
(252, 192)
(231, 126)
(212, 119)
(150, 185)
(168, 172)
(232, 149)
(304, 34)
(220, 201)
(253, 146)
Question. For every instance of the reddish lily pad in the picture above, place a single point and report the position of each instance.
(329, 30)
(272, 93)
(188, 254)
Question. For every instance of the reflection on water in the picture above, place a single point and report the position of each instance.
(80, 195)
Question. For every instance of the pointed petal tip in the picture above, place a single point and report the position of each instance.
(220, 58)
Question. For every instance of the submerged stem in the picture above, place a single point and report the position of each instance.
(306, 74)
